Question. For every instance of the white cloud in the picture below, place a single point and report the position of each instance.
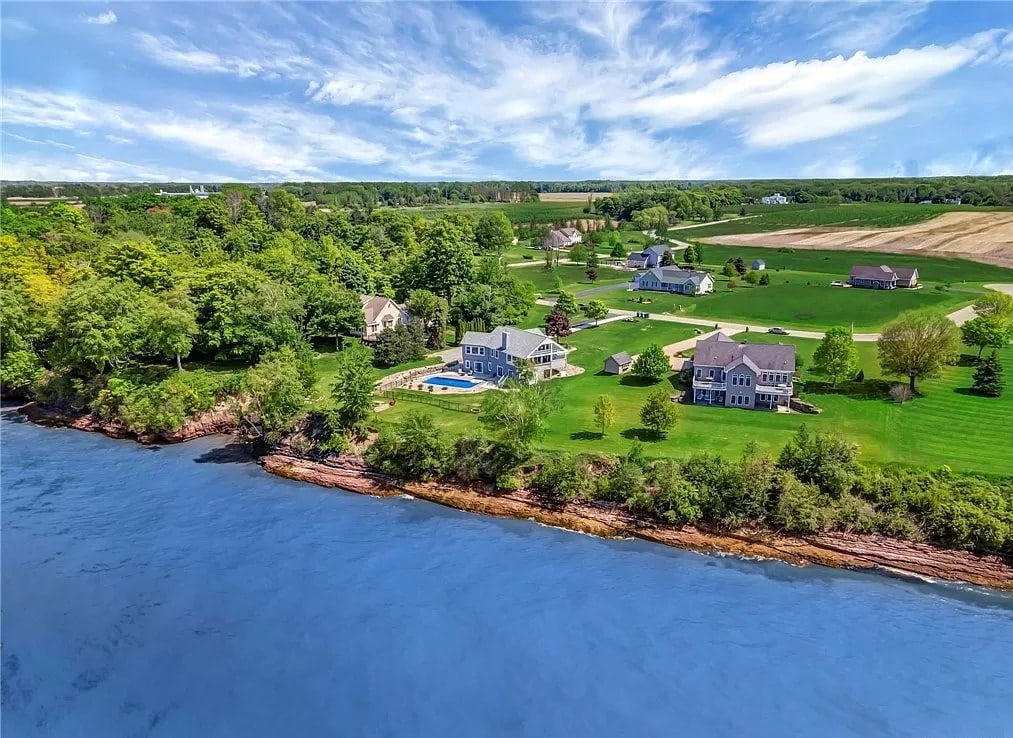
(274, 140)
(15, 28)
(106, 18)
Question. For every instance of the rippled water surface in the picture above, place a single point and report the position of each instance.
(175, 592)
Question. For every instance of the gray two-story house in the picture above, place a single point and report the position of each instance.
(674, 279)
(494, 355)
(748, 375)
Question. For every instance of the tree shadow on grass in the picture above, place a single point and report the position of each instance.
(630, 380)
(231, 453)
(968, 360)
(966, 391)
(586, 436)
(870, 389)
(645, 435)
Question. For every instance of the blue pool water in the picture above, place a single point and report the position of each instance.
(451, 382)
(178, 592)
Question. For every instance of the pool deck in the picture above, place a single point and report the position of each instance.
(481, 385)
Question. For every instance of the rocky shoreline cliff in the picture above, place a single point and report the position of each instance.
(350, 472)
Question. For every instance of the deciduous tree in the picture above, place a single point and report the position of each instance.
(604, 413)
(494, 233)
(652, 364)
(567, 303)
(596, 310)
(837, 355)
(352, 390)
(557, 324)
(658, 413)
(916, 345)
(991, 330)
(169, 324)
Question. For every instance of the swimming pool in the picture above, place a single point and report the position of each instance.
(456, 382)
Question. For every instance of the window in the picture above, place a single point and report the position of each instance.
(711, 373)
(495, 354)
(478, 367)
(735, 380)
(699, 373)
(499, 371)
(746, 399)
(467, 365)
(749, 380)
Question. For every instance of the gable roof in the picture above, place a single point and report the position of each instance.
(570, 232)
(517, 342)
(861, 271)
(555, 240)
(621, 358)
(674, 275)
(759, 261)
(659, 248)
(720, 350)
(905, 273)
(373, 305)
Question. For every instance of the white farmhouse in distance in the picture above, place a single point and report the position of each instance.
(776, 199)
(198, 192)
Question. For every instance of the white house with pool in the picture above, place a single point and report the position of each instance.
(494, 355)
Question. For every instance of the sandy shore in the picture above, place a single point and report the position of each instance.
(842, 550)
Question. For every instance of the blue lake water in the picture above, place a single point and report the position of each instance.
(147, 594)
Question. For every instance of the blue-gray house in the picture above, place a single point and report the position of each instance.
(674, 279)
(649, 257)
(495, 354)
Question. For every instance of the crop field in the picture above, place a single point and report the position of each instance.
(580, 197)
(850, 215)
(517, 212)
(930, 230)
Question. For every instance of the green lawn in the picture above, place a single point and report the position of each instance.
(848, 215)
(944, 425)
(327, 364)
(572, 276)
(798, 300)
(837, 264)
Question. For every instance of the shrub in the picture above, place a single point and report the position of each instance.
(400, 344)
(822, 459)
(563, 476)
(653, 363)
(413, 449)
(900, 393)
(798, 505)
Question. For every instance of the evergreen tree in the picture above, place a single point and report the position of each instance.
(988, 377)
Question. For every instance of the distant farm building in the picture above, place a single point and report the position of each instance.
(776, 199)
(194, 191)
(759, 264)
(882, 277)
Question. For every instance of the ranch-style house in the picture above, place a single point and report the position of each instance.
(883, 277)
(674, 279)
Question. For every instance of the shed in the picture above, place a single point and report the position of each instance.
(759, 264)
(618, 363)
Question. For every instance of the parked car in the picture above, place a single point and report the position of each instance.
(778, 331)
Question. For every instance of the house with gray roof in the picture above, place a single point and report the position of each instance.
(649, 257)
(675, 279)
(618, 363)
(759, 264)
(379, 313)
(494, 355)
(883, 277)
(755, 376)
(561, 238)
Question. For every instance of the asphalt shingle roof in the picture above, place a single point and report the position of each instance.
(720, 350)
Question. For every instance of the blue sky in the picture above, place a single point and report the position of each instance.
(208, 91)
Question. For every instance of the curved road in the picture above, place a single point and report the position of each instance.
(958, 316)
